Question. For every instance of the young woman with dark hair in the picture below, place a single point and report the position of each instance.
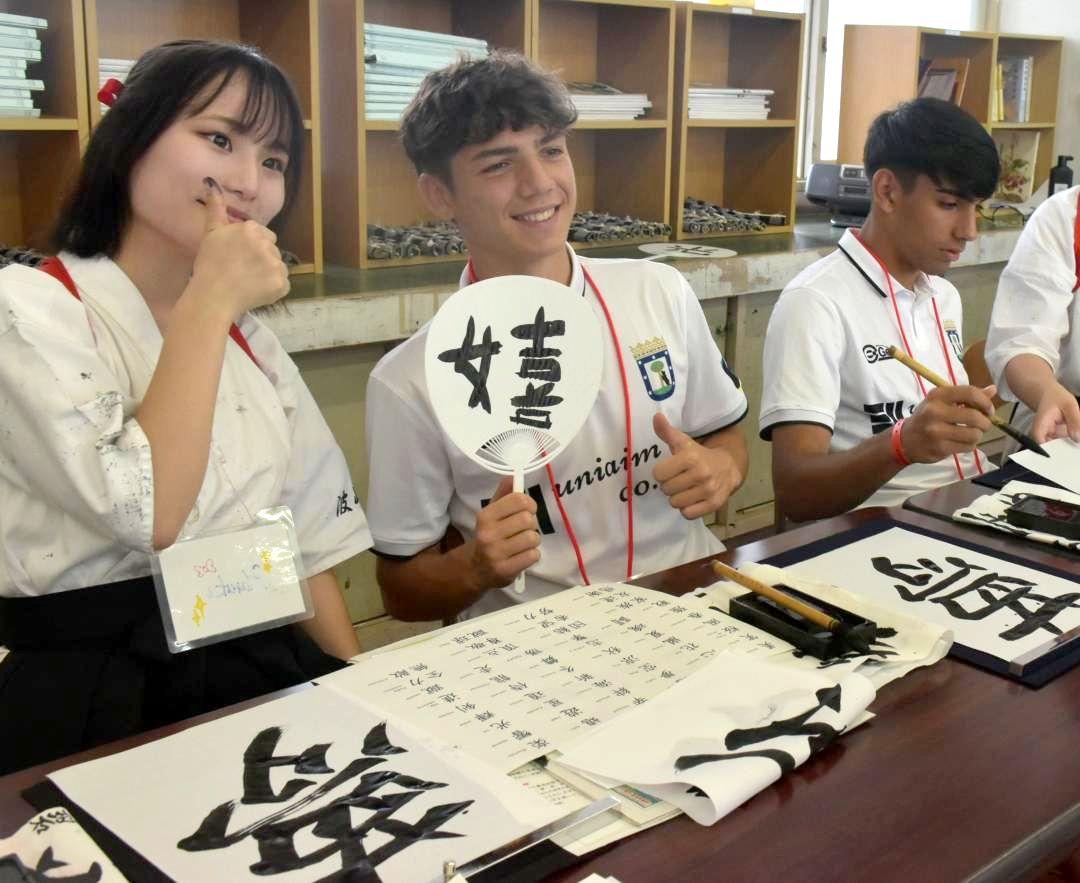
(142, 403)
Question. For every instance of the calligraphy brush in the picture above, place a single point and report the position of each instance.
(1026, 441)
(856, 638)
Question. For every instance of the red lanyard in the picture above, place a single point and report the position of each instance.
(907, 346)
(55, 268)
(471, 278)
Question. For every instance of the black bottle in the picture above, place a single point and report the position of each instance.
(1060, 175)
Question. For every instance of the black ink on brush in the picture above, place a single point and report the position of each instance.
(275, 834)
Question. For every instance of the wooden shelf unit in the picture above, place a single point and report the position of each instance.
(285, 30)
(624, 166)
(870, 87)
(368, 178)
(748, 165)
(39, 156)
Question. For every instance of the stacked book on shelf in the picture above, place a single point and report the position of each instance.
(20, 47)
(1012, 95)
(599, 101)
(113, 69)
(712, 103)
(396, 60)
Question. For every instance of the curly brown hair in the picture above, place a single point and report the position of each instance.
(471, 101)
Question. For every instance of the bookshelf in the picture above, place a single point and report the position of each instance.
(39, 156)
(1045, 78)
(285, 30)
(742, 164)
(869, 86)
(622, 167)
(368, 178)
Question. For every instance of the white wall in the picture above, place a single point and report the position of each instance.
(1059, 18)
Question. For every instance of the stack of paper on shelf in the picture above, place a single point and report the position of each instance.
(396, 60)
(113, 69)
(711, 103)
(20, 47)
(599, 101)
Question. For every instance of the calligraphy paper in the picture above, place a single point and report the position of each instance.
(1061, 467)
(53, 846)
(995, 606)
(518, 683)
(724, 733)
(989, 511)
(308, 787)
(903, 642)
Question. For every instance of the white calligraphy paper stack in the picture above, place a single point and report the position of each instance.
(53, 846)
(723, 734)
(521, 682)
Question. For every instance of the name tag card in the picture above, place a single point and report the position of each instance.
(230, 584)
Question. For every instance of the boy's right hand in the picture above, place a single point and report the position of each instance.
(238, 263)
(507, 538)
(950, 420)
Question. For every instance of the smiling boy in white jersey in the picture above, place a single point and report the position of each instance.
(488, 138)
(849, 425)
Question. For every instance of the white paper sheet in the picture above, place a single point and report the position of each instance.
(521, 682)
(1061, 467)
(989, 511)
(53, 845)
(331, 788)
(992, 605)
(724, 733)
(904, 643)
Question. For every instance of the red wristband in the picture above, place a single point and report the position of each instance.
(898, 445)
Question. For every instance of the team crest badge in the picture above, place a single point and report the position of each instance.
(654, 365)
(954, 338)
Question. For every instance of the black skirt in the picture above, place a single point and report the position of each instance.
(91, 665)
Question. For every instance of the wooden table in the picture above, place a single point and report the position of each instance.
(962, 776)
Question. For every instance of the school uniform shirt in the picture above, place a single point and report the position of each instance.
(1036, 310)
(76, 479)
(826, 360)
(421, 483)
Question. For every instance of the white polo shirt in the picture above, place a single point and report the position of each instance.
(826, 362)
(1036, 310)
(76, 478)
(420, 483)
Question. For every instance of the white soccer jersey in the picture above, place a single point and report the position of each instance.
(420, 483)
(1036, 310)
(76, 481)
(826, 361)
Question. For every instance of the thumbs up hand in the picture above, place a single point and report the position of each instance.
(696, 479)
(238, 265)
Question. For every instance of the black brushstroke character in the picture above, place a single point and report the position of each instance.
(820, 734)
(530, 407)
(462, 360)
(275, 833)
(12, 868)
(994, 590)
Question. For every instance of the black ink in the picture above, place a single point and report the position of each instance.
(462, 360)
(275, 834)
(995, 592)
(343, 504)
(12, 870)
(536, 332)
(819, 734)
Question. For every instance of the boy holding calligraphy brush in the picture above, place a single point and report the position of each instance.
(661, 447)
(850, 425)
